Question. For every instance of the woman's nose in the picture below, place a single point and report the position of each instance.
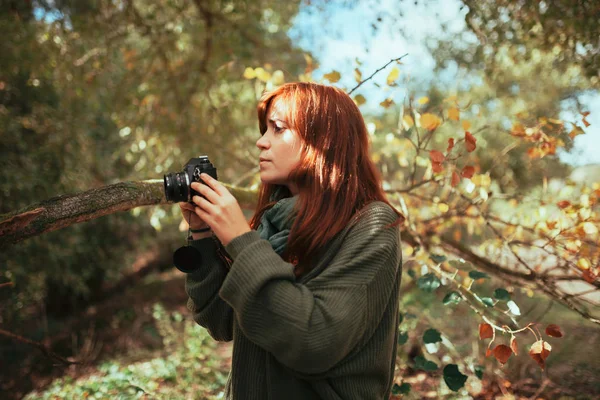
(262, 143)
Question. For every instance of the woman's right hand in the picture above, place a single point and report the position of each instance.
(190, 216)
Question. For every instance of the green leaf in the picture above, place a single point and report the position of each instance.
(452, 298)
(502, 294)
(401, 389)
(428, 282)
(432, 336)
(402, 338)
(411, 273)
(453, 378)
(487, 301)
(479, 371)
(425, 365)
(477, 275)
(437, 258)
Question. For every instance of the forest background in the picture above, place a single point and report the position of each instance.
(483, 121)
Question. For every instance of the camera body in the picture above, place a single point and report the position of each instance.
(177, 184)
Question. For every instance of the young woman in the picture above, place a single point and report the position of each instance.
(308, 291)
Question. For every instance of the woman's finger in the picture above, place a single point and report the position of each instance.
(214, 184)
(206, 191)
(204, 205)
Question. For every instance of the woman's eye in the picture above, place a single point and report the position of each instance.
(278, 128)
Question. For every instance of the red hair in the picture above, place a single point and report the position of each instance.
(335, 177)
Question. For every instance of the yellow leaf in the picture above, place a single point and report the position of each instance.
(583, 264)
(466, 124)
(359, 99)
(443, 207)
(357, 75)
(278, 77)
(333, 76)
(424, 100)
(407, 122)
(430, 121)
(261, 74)
(589, 228)
(249, 73)
(386, 103)
(393, 75)
(453, 114)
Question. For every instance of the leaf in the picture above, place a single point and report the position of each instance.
(402, 338)
(479, 371)
(453, 378)
(407, 122)
(249, 73)
(430, 121)
(477, 275)
(386, 103)
(453, 114)
(553, 330)
(392, 76)
(468, 171)
(437, 167)
(450, 145)
(436, 156)
(424, 100)
(432, 336)
(470, 141)
(576, 131)
(513, 308)
(428, 282)
(262, 75)
(357, 75)
(540, 351)
(485, 331)
(487, 301)
(437, 258)
(502, 294)
(589, 276)
(359, 99)
(563, 204)
(401, 389)
(502, 352)
(424, 364)
(400, 318)
(466, 124)
(513, 345)
(333, 76)
(452, 298)
(455, 179)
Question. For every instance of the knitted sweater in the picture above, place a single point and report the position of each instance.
(330, 334)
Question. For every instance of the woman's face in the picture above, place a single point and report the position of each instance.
(280, 148)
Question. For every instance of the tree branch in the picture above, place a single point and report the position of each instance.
(39, 345)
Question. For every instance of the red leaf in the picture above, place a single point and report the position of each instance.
(470, 141)
(468, 172)
(589, 276)
(553, 330)
(437, 167)
(450, 145)
(485, 331)
(513, 346)
(436, 156)
(502, 352)
(488, 352)
(455, 179)
(563, 204)
(539, 351)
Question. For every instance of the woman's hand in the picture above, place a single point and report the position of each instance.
(219, 209)
(190, 216)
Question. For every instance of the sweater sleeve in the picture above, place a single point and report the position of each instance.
(310, 327)
(202, 286)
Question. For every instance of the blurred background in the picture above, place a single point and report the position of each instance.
(487, 134)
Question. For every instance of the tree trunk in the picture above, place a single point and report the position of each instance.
(62, 211)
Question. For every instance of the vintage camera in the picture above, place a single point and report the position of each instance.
(177, 184)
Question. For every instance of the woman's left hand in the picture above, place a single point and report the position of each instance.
(219, 209)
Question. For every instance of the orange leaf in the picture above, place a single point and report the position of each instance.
(485, 331)
(468, 172)
(563, 204)
(502, 352)
(585, 122)
(450, 145)
(453, 114)
(437, 167)
(539, 351)
(466, 125)
(470, 142)
(585, 113)
(553, 330)
(430, 121)
(436, 156)
(513, 345)
(589, 276)
(455, 179)
(488, 352)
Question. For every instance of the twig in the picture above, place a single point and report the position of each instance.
(39, 345)
(374, 73)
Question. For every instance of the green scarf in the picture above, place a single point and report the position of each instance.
(276, 222)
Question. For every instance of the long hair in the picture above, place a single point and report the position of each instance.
(335, 176)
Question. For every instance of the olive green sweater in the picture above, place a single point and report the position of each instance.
(331, 334)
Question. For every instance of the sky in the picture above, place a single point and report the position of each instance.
(348, 35)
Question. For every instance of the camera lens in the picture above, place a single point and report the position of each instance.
(176, 187)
